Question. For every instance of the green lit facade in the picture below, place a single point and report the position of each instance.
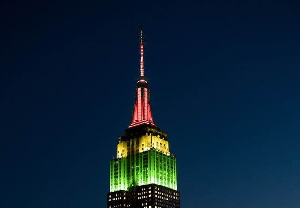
(149, 167)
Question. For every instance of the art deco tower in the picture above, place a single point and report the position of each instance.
(144, 173)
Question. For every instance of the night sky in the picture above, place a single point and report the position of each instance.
(224, 79)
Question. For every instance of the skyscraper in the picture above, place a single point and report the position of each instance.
(144, 173)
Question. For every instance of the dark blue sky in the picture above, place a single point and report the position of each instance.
(224, 77)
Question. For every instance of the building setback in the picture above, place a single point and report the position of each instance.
(144, 173)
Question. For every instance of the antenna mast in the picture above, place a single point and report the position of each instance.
(142, 54)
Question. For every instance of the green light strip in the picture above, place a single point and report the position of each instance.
(150, 167)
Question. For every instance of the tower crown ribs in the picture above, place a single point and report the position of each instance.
(142, 111)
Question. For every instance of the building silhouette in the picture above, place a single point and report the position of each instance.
(144, 173)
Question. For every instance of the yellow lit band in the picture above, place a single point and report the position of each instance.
(142, 144)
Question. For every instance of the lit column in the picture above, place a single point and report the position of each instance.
(139, 105)
(146, 104)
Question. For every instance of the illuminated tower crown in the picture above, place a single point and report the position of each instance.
(144, 174)
(142, 112)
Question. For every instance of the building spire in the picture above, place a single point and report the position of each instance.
(142, 70)
(142, 112)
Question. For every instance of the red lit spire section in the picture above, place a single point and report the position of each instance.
(142, 54)
(142, 112)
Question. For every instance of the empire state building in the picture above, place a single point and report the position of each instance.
(144, 173)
